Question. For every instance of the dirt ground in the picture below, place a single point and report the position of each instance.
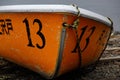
(105, 70)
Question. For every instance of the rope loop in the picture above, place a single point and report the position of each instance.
(74, 26)
(76, 22)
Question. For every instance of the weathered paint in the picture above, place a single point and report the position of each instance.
(38, 41)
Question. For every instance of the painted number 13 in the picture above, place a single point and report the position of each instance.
(39, 33)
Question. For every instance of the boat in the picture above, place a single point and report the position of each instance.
(52, 39)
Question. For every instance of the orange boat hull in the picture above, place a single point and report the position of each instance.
(39, 41)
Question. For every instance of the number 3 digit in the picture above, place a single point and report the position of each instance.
(39, 33)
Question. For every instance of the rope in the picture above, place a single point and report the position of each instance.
(111, 22)
(74, 26)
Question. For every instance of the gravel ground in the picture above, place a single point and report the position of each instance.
(105, 70)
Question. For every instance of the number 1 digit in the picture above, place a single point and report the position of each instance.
(28, 33)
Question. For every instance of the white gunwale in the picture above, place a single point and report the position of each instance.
(56, 8)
